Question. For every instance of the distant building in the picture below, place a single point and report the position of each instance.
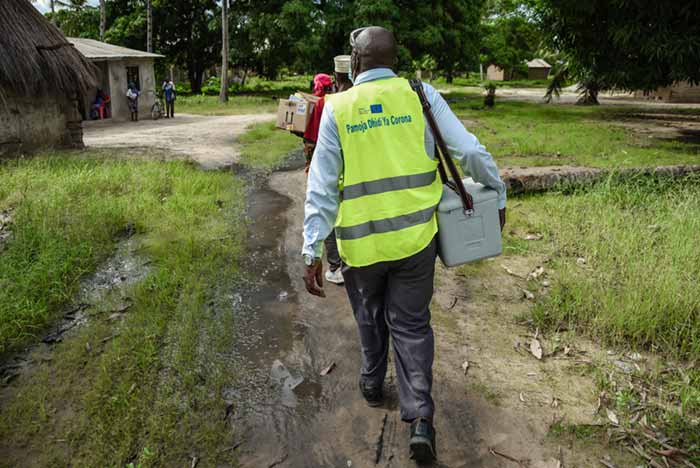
(42, 82)
(117, 67)
(681, 91)
(538, 69)
(495, 73)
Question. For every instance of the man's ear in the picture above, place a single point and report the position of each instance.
(354, 63)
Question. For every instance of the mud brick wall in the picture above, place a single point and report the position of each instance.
(31, 123)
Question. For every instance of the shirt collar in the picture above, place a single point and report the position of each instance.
(374, 74)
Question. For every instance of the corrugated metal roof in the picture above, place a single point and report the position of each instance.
(96, 50)
(538, 63)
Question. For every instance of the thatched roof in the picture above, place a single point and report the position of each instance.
(36, 58)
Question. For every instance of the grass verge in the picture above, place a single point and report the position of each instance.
(623, 266)
(210, 105)
(265, 146)
(529, 134)
(145, 391)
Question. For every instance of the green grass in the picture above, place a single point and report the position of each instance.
(210, 105)
(475, 81)
(637, 289)
(256, 97)
(145, 390)
(265, 146)
(639, 239)
(530, 134)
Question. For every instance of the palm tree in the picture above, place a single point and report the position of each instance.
(72, 4)
(149, 26)
(103, 20)
(52, 7)
(223, 94)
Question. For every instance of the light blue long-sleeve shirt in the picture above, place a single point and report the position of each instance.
(322, 193)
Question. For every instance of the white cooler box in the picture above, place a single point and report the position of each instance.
(463, 238)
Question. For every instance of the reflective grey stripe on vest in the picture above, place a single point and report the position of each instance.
(389, 184)
(385, 225)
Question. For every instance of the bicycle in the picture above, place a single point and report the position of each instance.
(157, 107)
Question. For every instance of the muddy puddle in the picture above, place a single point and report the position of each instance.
(276, 385)
(104, 293)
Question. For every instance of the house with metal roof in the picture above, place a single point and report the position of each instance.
(118, 66)
(538, 69)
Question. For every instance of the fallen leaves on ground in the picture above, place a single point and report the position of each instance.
(511, 272)
(536, 273)
(528, 295)
(328, 369)
(536, 348)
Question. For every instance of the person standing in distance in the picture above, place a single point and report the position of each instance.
(375, 137)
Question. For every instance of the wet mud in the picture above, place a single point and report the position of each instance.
(285, 335)
(274, 390)
(105, 292)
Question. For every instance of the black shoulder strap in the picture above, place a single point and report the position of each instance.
(443, 154)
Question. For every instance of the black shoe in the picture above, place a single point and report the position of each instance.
(422, 441)
(372, 394)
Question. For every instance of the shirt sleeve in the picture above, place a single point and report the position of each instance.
(464, 146)
(322, 193)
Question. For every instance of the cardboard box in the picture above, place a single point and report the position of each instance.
(294, 115)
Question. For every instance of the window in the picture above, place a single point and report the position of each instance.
(132, 74)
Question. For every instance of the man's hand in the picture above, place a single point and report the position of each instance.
(313, 278)
(502, 217)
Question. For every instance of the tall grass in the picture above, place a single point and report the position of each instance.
(640, 241)
(530, 134)
(147, 390)
(264, 146)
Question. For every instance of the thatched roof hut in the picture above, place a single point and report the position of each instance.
(36, 58)
(43, 79)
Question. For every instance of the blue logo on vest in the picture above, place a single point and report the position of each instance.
(376, 108)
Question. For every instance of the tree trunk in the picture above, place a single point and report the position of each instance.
(223, 93)
(149, 26)
(195, 73)
(103, 20)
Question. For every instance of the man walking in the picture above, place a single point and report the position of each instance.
(375, 139)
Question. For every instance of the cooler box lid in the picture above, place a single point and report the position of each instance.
(480, 193)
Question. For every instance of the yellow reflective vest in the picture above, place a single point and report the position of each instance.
(390, 189)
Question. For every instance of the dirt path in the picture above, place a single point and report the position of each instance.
(571, 96)
(506, 401)
(207, 140)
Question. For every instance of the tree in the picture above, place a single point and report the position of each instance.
(187, 32)
(103, 19)
(223, 94)
(623, 44)
(510, 34)
(149, 26)
(82, 22)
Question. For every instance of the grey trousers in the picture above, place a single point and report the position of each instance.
(332, 254)
(393, 299)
